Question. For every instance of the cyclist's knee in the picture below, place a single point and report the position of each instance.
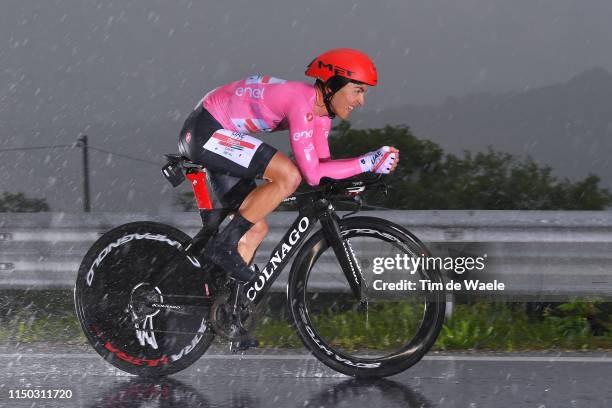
(292, 180)
(284, 173)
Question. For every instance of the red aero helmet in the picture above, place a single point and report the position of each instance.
(344, 62)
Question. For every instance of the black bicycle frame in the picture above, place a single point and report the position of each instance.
(312, 206)
(282, 253)
(320, 210)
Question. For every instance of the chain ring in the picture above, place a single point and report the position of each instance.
(226, 325)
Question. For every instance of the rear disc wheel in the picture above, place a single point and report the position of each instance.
(136, 319)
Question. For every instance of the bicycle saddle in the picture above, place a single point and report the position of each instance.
(174, 167)
(177, 159)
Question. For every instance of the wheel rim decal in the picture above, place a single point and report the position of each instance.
(136, 360)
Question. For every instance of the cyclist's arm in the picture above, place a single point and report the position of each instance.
(319, 137)
(307, 156)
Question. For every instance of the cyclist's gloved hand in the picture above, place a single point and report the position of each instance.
(380, 161)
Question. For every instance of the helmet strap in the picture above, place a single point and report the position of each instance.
(327, 96)
(327, 101)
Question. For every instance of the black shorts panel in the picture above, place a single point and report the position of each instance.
(198, 129)
(230, 181)
(229, 190)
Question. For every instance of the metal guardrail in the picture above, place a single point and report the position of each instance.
(538, 255)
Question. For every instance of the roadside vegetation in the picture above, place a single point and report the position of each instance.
(427, 179)
(48, 316)
(478, 326)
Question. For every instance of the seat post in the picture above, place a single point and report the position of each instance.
(200, 189)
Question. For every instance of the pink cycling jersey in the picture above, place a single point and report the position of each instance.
(268, 104)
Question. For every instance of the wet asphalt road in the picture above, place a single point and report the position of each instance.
(293, 379)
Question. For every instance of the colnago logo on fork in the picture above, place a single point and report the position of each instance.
(356, 268)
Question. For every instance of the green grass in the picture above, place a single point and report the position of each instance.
(48, 316)
(23, 327)
(507, 327)
(34, 316)
(483, 326)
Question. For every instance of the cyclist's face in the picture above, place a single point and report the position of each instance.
(348, 98)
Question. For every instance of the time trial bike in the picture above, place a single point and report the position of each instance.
(150, 302)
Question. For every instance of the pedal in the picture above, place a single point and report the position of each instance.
(242, 345)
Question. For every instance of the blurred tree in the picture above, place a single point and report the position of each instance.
(18, 202)
(428, 178)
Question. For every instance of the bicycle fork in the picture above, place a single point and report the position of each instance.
(344, 252)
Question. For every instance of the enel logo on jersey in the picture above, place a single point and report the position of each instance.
(255, 93)
(304, 134)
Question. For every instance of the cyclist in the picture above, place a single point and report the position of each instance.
(217, 135)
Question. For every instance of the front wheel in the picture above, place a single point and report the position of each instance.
(394, 319)
(142, 301)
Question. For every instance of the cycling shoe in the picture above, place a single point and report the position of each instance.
(231, 262)
(223, 249)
